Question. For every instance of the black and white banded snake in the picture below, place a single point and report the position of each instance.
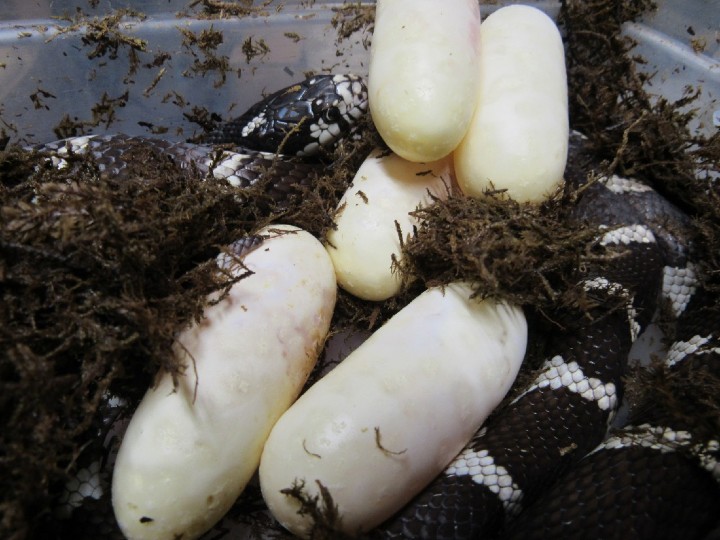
(541, 436)
(299, 121)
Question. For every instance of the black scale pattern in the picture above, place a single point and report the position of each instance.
(94, 519)
(447, 510)
(633, 492)
(535, 439)
(287, 117)
(114, 153)
(641, 490)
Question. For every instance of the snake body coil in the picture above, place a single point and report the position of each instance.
(298, 122)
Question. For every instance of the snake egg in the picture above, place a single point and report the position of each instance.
(518, 137)
(387, 420)
(191, 448)
(423, 75)
(374, 213)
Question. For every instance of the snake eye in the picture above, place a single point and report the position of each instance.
(332, 114)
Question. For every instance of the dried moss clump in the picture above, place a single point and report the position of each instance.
(207, 42)
(636, 136)
(684, 398)
(221, 9)
(352, 18)
(321, 509)
(523, 253)
(97, 276)
(649, 140)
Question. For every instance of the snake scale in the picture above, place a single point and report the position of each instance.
(544, 466)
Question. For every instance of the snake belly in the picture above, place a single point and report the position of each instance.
(565, 413)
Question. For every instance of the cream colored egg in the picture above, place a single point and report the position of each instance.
(373, 216)
(423, 74)
(190, 449)
(396, 411)
(518, 137)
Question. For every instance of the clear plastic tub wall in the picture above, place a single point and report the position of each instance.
(46, 74)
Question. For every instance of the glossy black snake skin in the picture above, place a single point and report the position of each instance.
(554, 431)
(654, 477)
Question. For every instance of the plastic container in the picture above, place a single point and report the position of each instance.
(680, 45)
(47, 72)
(50, 71)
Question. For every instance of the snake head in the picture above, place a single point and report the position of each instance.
(301, 119)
